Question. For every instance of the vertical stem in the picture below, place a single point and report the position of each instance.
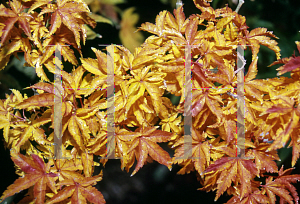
(239, 5)
(110, 103)
(58, 105)
(187, 104)
(240, 103)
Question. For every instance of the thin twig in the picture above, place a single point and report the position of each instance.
(23, 119)
(178, 4)
(239, 5)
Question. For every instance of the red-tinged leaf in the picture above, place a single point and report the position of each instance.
(141, 145)
(157, 153)
(245, 178)
(39, 190)
(292, 64)
(282, 193)
(252, 71)
(262, 31)
(24, 22)
(202, 155)
(12, 16)
(9, 25)
(62, 195)
(254, 198)
(88, 162)
(159, 136)
(78, 192)
(293, 191)
(213, 105)
(219, 163)
(279, 108)
(180, 18)
(26, 164)
(265, 160)
(202, 3)
(191, 30)
(198, 102)
(44, 86)
(20, 184)
(65, 13)
(197, 69)
(55, 22)
(225, 180)
(229, 170)
(11, 48)
(230, 128)
(44, 99)
(260, 36)
(143, 154)
(39, 162)
(36, 174)
(93, 195)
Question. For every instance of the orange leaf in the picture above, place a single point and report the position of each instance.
(36, 174)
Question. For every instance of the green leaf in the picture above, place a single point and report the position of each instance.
(100, 19)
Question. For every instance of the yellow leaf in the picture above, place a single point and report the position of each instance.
(100, 19)
(91, 65)
(128, 36)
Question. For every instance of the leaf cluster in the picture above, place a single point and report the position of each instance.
(143, 116)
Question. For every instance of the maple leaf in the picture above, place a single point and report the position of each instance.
(171, 123)
(39, 29)
(12, 16)
(65, 12)
(291, 64)
(129, 38)
(45, 99)
(295, 145)
(199, 151)
(143, 142)
(142, 81)
(281, 187)
(36, 173)
(286, 108)
(31, 130)
(79, 189)
(259, 36)
(63, 39)
(197, 69)
(202, 3)
(105, 7)
(68, 166)
(232, 170)
(79, 131)
(264, 160)
(256, 197)
(18, 41)
(155, 29)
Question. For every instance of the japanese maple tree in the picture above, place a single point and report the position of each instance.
(144, 117)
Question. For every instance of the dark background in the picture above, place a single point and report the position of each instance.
(154, 183)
